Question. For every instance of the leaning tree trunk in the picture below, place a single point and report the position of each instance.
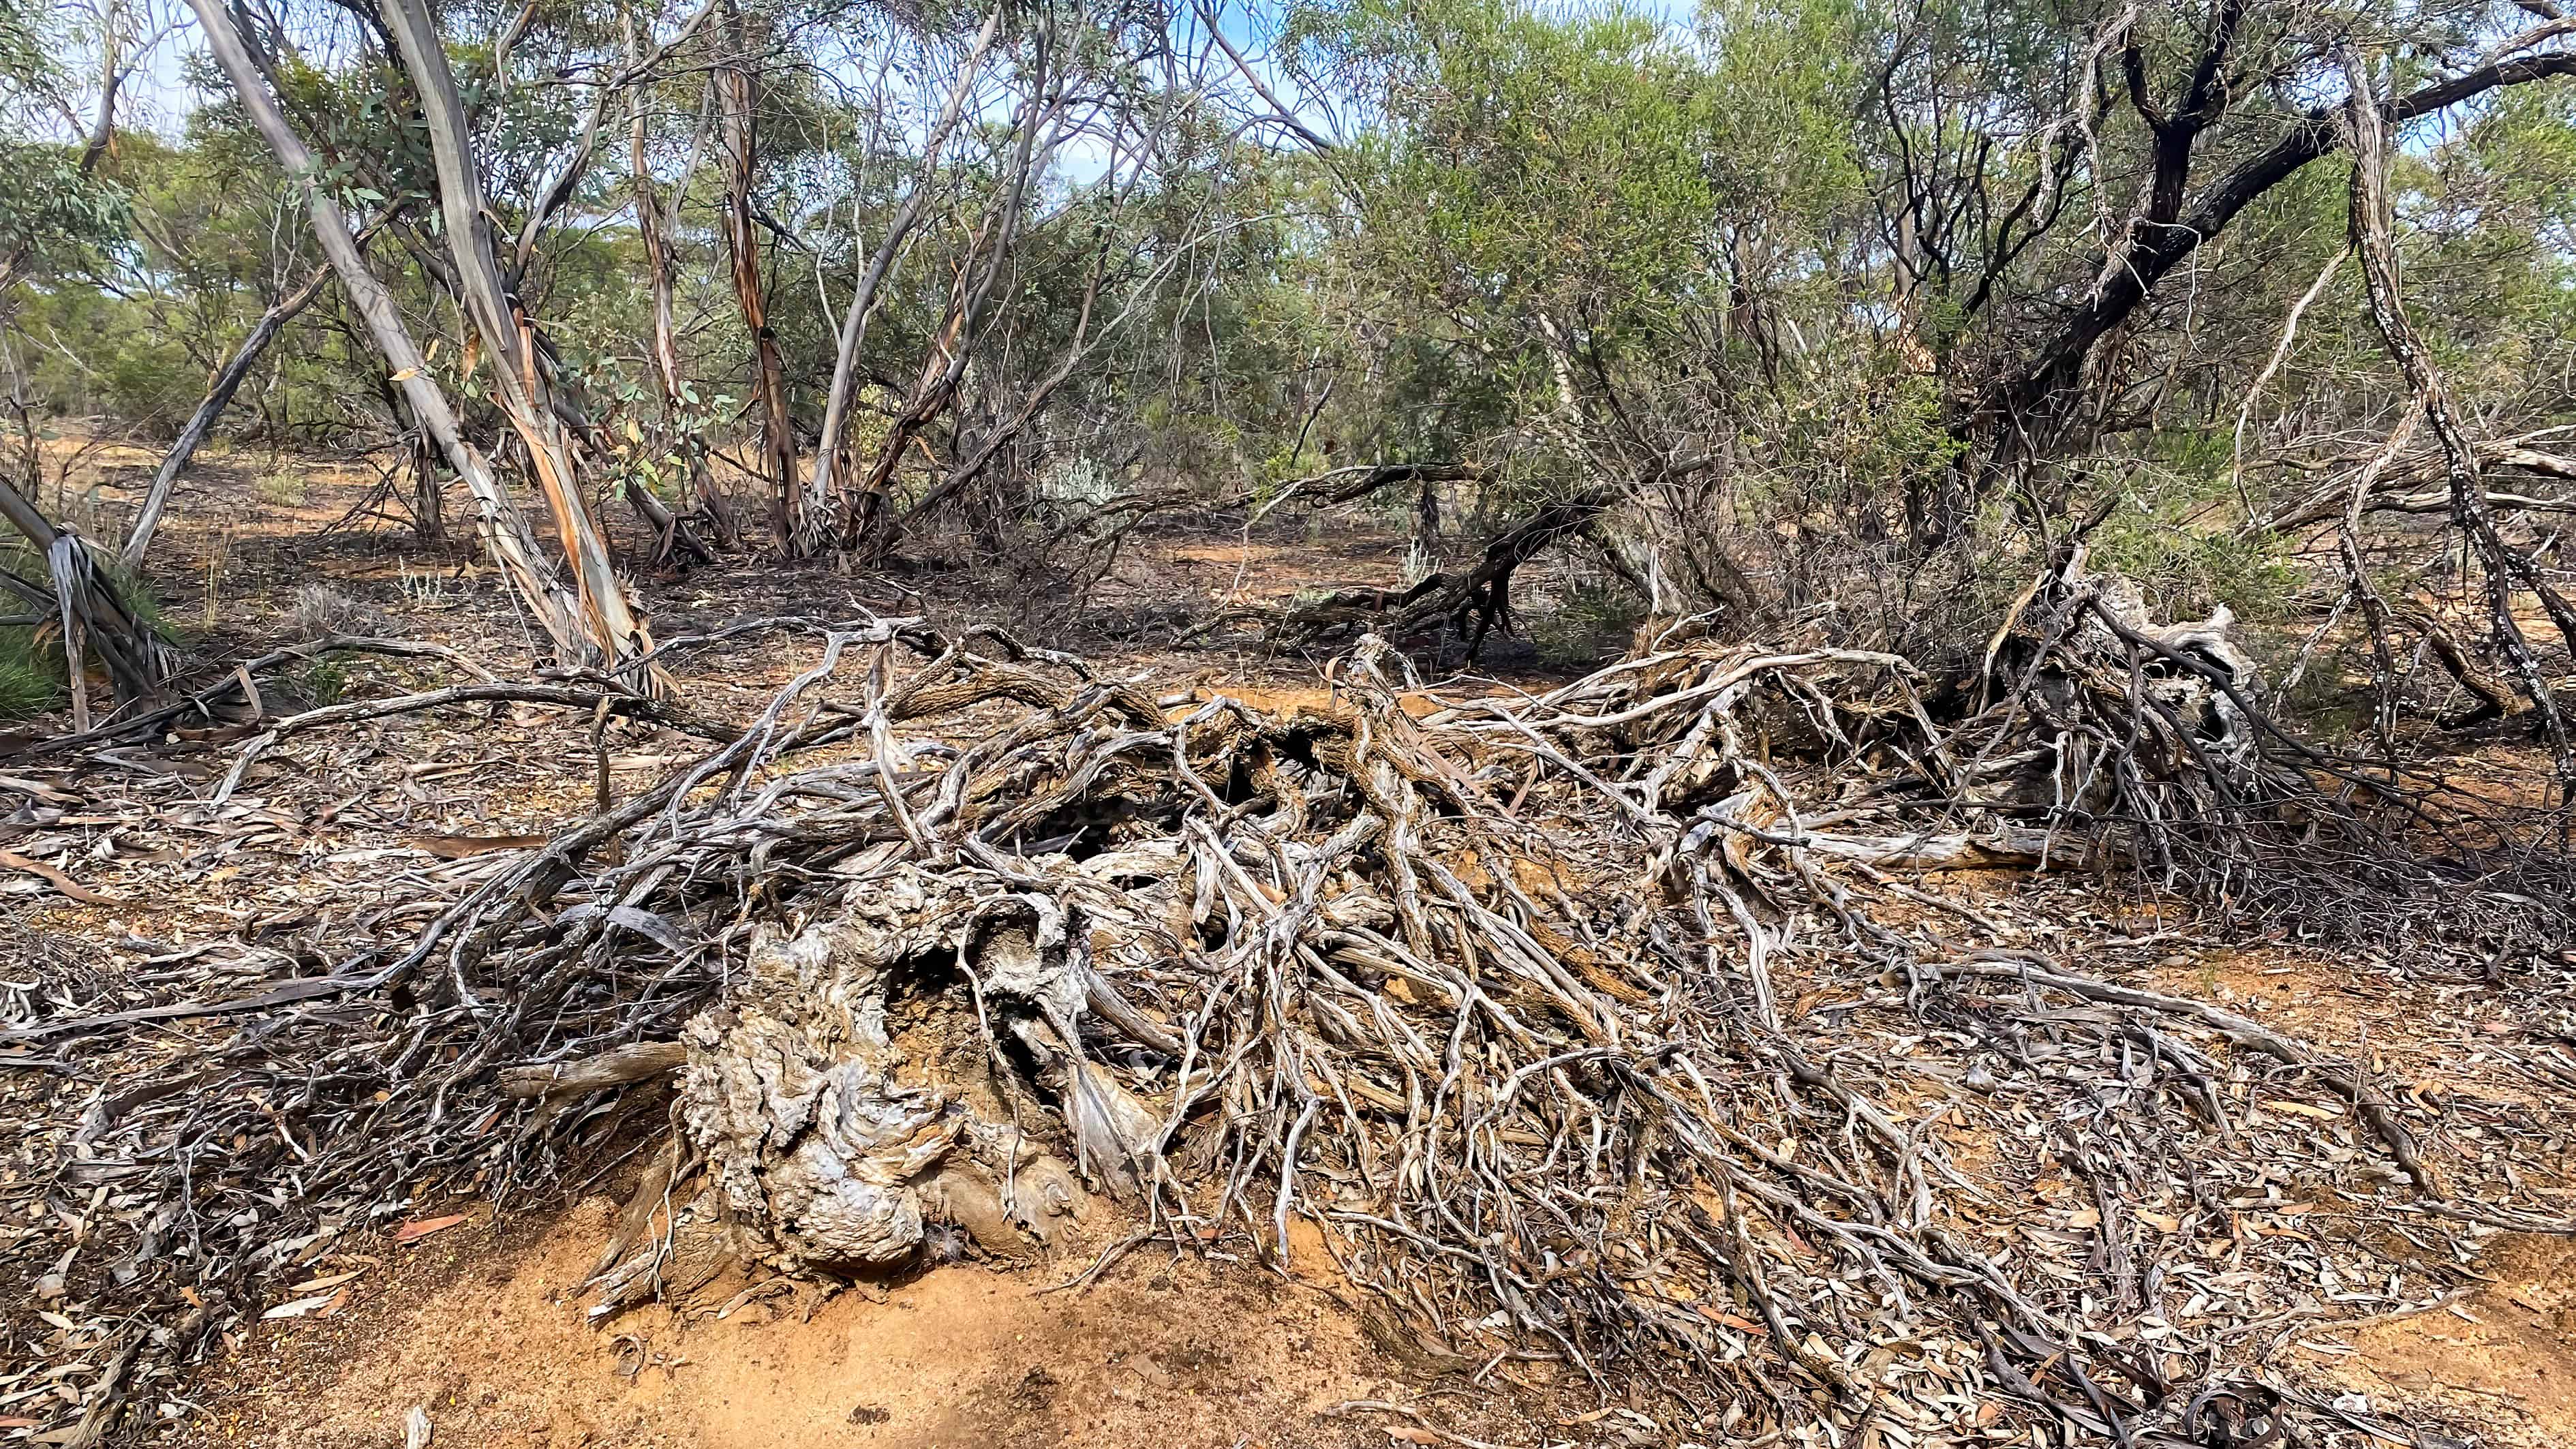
(2507, 568)
(2013, 415)
(971, 460)
(219, 396)
(953, 346)
(524, 388)
(504, 527)
(815, 508)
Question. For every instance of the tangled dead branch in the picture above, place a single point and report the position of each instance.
(1594, 1027)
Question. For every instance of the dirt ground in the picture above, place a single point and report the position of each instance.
(2501, 1358)
(478, 1324)
(246, 528)
(483, 1330)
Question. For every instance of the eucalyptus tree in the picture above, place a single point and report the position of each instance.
(1821, 299)
(1606, 218)
(504, 528)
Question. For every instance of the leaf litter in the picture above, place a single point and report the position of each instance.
(1599, 1029)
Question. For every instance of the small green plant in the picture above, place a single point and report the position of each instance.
(326, 681)
(2188, 568)
(285, 488)
(31, 661)
(31, 657)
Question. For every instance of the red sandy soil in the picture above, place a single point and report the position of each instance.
(482, 1328)
(2501, 1360)
(484, 1331)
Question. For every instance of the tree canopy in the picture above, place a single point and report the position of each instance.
(1761, 299)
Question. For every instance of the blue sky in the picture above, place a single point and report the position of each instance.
(157, 97)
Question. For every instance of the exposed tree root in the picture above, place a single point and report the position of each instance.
(1569, 1028)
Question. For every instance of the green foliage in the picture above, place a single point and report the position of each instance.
(52, 214)
(1756, 272)
(1571, 225)
(325, 681)
(31, 657)
(2174, 534)
(286, 487)
(1594, 123)
(107, 356)
(24, 66)
(31, 673)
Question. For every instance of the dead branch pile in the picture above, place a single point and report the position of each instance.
(1596, 1027)
(2156, 746)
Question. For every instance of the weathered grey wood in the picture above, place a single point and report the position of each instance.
(639, 1062)
(218, 397)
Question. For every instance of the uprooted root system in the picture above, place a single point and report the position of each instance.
(1595, 1027)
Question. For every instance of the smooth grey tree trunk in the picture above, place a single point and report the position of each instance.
(218, 397)
(504, 527)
